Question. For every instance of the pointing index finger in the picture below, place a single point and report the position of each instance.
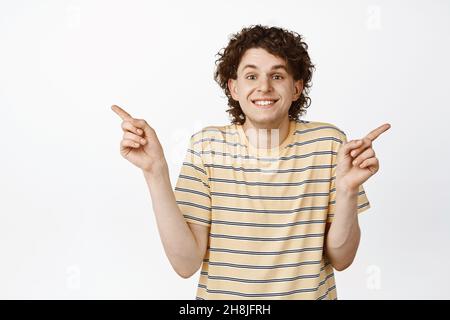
(376, 132)
(120, 112)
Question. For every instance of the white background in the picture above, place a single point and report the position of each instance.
(76, 220)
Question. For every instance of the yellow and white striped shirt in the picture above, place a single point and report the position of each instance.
(266, 208)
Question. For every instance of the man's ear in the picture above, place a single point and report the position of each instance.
(233, 89)
(298, 89)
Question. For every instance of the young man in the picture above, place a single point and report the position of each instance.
(266, 206)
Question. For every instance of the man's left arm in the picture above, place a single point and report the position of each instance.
(356, 163)
(343, 234)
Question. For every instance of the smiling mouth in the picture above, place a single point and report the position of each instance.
(264, 104)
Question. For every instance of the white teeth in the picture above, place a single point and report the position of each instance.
(263, 103)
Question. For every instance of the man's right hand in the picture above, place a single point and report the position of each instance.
(140, 145)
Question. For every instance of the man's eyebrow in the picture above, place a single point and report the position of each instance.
(278, 66)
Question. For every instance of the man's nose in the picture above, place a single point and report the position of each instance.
(264, 84)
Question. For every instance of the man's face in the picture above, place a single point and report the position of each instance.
(264, 88)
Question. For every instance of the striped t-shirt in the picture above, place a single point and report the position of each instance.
(267, 211)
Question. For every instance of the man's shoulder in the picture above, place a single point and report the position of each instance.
(217, 132)
(318, 129)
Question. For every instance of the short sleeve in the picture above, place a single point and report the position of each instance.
(192, 192)
(362, 203)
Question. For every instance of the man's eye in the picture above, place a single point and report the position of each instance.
(252, 77)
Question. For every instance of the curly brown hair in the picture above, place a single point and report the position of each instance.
(280, 42)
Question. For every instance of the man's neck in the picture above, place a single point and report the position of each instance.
(266, 135)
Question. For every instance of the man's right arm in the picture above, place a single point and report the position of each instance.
(184, 243)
